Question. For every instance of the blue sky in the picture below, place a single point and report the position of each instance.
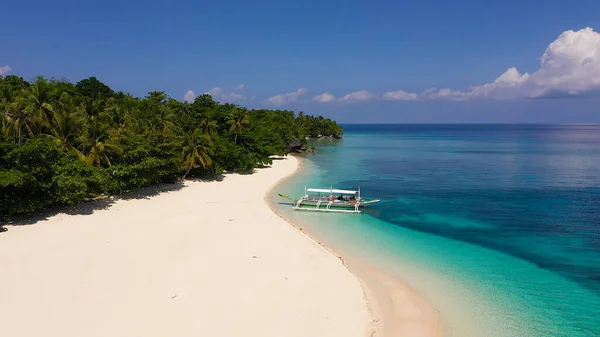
(309, 55)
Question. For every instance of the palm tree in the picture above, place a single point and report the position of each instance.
(38, 95)
(118, 120)
(96, 145)
(95, 107)
(19, 118)
(5, 125)
(301, 122)
(184, 115)
(237, 121)
(208, 126)
(197, 149)
(162, 121)
(99, 151)
(159, 115)
(66, 125)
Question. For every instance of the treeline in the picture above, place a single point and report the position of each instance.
(61, 143)
(315, 127)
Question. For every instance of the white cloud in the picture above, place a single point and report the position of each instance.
(5, 70)
(569, 66)
(361, 95)
(324, 98)
(227, 97)
(400, 95)
(443, 94)
(189, 96)
(287, 97)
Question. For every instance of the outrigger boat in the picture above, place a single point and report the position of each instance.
(330, 200)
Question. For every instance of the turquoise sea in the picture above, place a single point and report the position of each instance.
(497, 226)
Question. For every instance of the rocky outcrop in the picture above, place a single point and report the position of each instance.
(296, 145)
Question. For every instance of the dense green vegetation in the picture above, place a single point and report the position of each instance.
(61, 143)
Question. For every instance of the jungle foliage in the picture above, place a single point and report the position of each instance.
(61, 143)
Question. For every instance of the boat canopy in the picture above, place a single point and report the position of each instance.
(325, 190)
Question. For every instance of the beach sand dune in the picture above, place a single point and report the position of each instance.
(209, 259)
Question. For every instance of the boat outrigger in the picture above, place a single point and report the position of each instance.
(330, 200)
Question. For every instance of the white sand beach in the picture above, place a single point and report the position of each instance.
(398, 309)
(208, 259)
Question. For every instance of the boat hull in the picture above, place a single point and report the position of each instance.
(330, 203)
(340, 207)
(333, 210)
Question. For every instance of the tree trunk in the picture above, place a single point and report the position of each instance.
(188, 171)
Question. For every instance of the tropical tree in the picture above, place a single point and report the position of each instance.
(95, 107)
(67, 124)
(96, 145)
(91, 87)
(39, 97)
(197, 150)
(18, 118)
(159, 115)
(118, 120)
(238, 120)
(205, 101)
(162, 122)
(5, 127)
(208, 126)
(99, 151)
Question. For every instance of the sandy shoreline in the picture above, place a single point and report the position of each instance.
(207, 259)
(395, 308)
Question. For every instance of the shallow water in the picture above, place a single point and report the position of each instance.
(497, 226)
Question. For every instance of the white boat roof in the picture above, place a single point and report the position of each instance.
(328, 190)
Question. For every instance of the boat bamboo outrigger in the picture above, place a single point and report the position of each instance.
(330, 200)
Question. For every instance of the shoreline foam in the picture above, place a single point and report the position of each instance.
(395, 308)
(210, 259)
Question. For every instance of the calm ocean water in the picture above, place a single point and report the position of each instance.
(498, 226)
